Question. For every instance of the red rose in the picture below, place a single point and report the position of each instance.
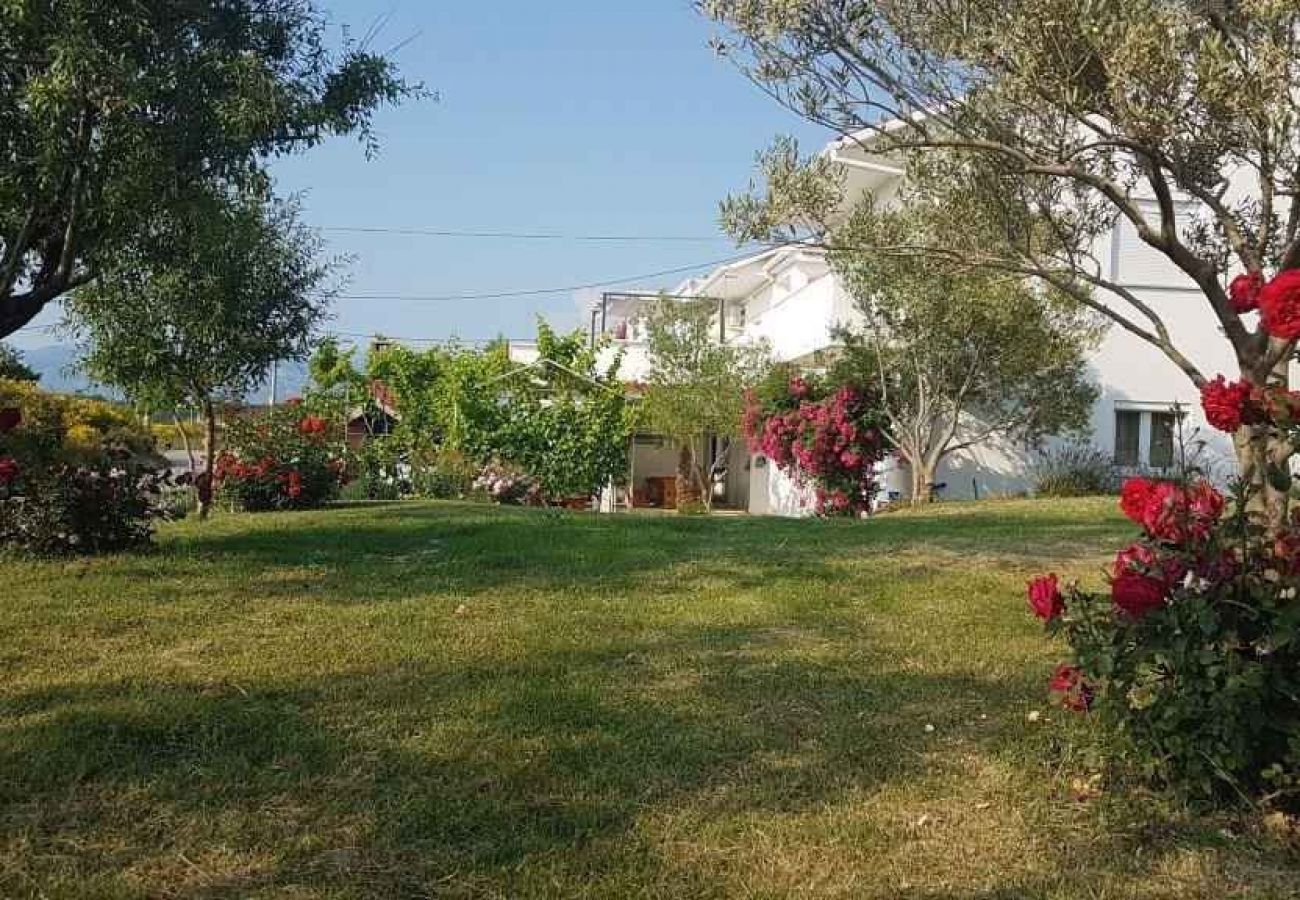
(1075, 693)
(1279, 305)
(1244, 292)
(1136, 594)
(9, 470)
(10, 418)
(1133, 498)
(293, 485)
(1225, 403)
(312, 425)
(1176, 514)
(1139, 559)
(1045, 597)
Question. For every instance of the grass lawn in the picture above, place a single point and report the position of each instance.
(441, 700)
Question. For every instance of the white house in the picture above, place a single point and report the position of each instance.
(789, 297)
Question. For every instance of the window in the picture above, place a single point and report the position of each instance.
(1162, 440)
(1128, 427)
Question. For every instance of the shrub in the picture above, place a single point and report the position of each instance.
(380, 472)
(76, 476)
(504, 483)
(84, 509)
(1074, 469)
(443, 475)
(280, 459)
(827, 435)
(1192, 657)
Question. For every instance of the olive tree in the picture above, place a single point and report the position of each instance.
(197, 309)
(959, 357)
(1050, 122)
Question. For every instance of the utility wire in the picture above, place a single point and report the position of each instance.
(535, 292)
(524, 235)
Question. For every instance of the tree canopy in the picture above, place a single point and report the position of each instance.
(697, 385)
(1055, 120)
(200, 305)
(111, 113)
(959, 357)
(12, 366)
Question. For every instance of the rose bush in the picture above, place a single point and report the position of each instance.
(77, 476)
(828, 436)
(1192, 657)
(281, 459)
(504, 483)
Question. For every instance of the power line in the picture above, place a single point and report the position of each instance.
(524, 235)
(535, 292)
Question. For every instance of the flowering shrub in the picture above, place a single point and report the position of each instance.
(80, 509)
(280, 459)
(830, 438)
(76, 476)
(1192, 655)
(503, 483)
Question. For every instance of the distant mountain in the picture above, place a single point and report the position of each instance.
(57, 366)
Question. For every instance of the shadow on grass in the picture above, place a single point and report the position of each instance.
(528, 778)
(401, 549)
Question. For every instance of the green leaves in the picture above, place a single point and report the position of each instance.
(112, 114)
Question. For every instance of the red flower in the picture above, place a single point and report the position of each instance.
(1045, 597)
(293, 484)
(312, 426)
(1133, 498)
(1139, 559)
(293, 401)
(1244, 292)
(1279, 305)
(10, 418)
(1178, 514)
(1075, 693)
(1225, 403)
(9, 470)
(1169, 511)
(798, 387)
(1136, 594)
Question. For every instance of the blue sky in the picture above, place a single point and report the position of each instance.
(578, 117)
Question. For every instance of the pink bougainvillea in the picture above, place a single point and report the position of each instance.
(832, 441)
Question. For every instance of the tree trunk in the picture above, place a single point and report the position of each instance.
(688, 477)
(1264, 464)
(922, 482)
(203, 483)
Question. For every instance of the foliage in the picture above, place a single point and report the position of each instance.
(112, 114)
(561, 418)
(507, 484)
(1033, 131)
(696, 387)
(76, 476)
(1193, 655)
(280, 459)
(957, 357)
(12, 367)
(57, 429)
(1073, 469)
(442, 475)
(379, 471)
(80, 509)
(818, 432)
(198, 306)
